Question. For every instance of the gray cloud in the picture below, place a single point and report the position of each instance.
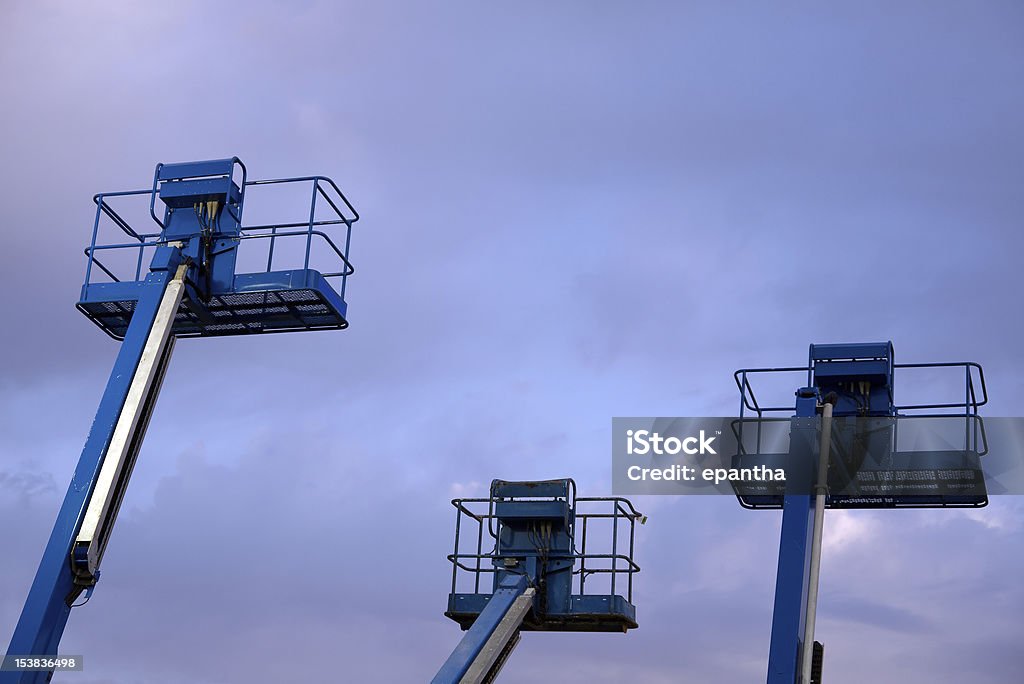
(570, 213)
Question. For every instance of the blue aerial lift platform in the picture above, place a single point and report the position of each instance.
(190, 289)
(532, 573)
(846, 415)
(203, 210)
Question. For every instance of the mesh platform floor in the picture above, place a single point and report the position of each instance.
(237, 313)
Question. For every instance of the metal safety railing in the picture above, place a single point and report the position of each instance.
(323, 192)
(975, 390)
(614, 560)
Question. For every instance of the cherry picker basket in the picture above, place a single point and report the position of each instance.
(578, 551)
(299, 265)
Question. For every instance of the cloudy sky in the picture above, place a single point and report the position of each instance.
(571, 211)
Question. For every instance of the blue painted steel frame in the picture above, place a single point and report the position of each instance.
(53, 591)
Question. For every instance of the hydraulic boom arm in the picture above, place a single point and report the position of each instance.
(70, 563)
(487, 644)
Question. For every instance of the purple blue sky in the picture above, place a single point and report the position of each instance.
(570, 211)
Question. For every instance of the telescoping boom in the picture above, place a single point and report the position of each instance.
(191, 290)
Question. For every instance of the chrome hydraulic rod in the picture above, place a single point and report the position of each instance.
(486, 666)
(820, 493)
(129, 431)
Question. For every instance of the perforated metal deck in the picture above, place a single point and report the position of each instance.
(279, 301)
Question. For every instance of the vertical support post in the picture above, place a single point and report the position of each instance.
(92, 242)
(312, 216)
(615, 555)
(479, 555)
(138, 263)
(455, 552)
(791, 583)
(632, 537)
(348, 246)
(583, 558)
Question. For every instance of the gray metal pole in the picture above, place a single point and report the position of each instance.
(820, 491)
